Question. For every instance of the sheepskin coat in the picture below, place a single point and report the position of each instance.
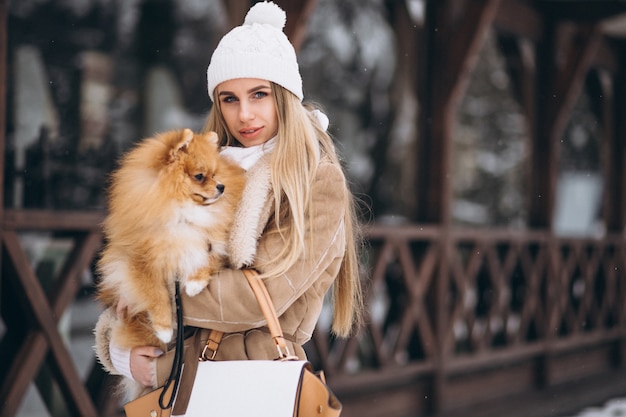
(228, 304)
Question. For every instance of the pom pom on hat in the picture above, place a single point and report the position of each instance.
(257, 49)
(266, 13)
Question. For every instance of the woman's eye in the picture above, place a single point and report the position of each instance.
(229, 99)
(260, 94)
(199, 177)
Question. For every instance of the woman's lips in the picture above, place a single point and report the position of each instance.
(251, 132)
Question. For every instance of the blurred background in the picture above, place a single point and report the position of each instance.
(484, 140)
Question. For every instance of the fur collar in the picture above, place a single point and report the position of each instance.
(252, 215)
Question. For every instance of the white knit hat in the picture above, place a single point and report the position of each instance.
(257, 49)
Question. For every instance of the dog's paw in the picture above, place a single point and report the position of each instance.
(165, 335)
(194, 287)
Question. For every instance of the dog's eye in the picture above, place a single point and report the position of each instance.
(199, 177)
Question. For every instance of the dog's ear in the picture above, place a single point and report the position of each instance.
(185, 139)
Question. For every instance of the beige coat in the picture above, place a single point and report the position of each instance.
(228, 304)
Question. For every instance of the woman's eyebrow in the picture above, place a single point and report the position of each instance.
(257, 88)
(252, 90)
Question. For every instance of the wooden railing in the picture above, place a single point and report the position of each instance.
(31, 314)
(459, 318)
(456, 319)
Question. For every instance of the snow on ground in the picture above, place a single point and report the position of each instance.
(613, 408)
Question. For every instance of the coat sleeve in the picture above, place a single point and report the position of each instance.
(228, 304)
(102, 333)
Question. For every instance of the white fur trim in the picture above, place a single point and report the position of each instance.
(252, 214)
(102, 334)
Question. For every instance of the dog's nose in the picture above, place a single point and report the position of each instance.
(220, 188)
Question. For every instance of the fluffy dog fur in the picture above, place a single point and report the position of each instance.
(171, 206)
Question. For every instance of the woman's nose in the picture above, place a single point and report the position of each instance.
(245, 112)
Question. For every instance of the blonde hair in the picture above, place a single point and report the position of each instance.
(293, 168)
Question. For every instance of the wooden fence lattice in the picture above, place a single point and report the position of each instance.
(445, 304)
(443, 308)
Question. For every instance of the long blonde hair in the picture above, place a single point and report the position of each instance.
(293, 167)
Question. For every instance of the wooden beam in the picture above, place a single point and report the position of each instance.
(462, 45)
(450, 51)
(581, 10)
(298, 14)
(21, 219)
(448, 57)
(520, 65)
(29, 358)
(558, 87)
(522, 20)
(429, 157)
(615, 200)
(606, 56)
(542, 149)
(598, 87)
(4, 10)
(4, 6)
(69, 380)
(568, 81)
(236, 11)
(518, 19)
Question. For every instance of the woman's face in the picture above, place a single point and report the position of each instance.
(248, 107)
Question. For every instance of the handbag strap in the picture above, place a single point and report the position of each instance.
(189, 375)
(269, 312)
(212, 344)
(177, 365)
(215, 337)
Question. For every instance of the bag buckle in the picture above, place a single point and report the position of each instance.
(210, 348)
(207, 350)
(286, 355)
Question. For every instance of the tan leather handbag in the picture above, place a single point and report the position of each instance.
(285, 387)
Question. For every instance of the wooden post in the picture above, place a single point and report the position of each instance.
(558, 88)
(298, 14)
(615, 202)
(544, 160)
(4, 10)
(615, 210)
(453, 38)
(449, 56)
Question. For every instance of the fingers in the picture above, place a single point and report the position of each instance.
(150, 351)
(143, 366)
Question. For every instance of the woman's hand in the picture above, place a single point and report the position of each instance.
(143, 366)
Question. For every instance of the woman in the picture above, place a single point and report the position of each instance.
(295, 222)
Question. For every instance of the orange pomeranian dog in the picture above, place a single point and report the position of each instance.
(171, 206)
